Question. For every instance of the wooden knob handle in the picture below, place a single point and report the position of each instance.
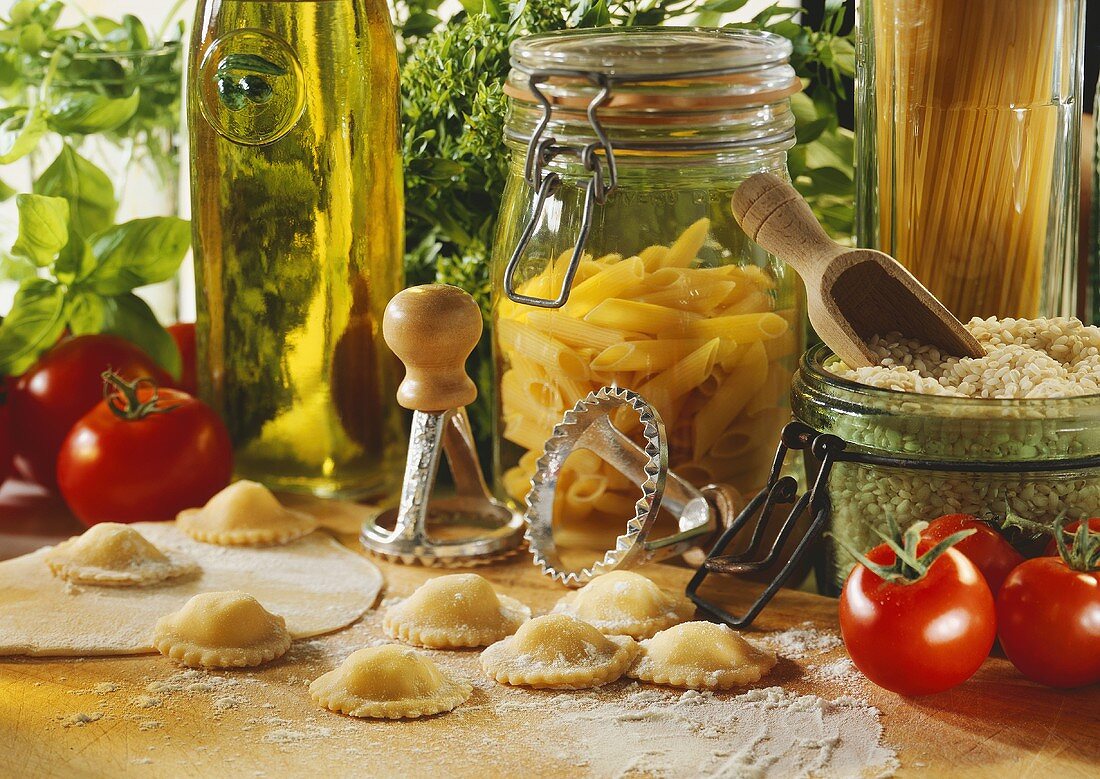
(772, 213)
(432, 329)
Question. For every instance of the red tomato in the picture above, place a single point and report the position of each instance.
(1071, 527)
(5, 443)
(184, 335)
(985, 547)
(61, 388)
(918, 637)
(144, 456)
(1048, 620)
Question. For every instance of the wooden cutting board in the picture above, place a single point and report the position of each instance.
(141, 716)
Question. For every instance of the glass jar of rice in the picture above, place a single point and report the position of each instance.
(618, 262)
(1030, 445)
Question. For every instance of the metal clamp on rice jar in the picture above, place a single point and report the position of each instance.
(617, 261)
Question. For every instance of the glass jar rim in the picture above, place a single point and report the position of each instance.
(813, 368)
(670, 52)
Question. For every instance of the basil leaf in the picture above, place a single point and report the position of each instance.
(140, 252)
(139, 38)
(89, 112)
(43, 228)
(6, 192)
(16, 268)
(87, 313)
(75, 261)
(20, 134)
(130, 317)
(36, 321)
(91, 196)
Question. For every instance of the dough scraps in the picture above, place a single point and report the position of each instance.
(700, 656)
(245, 514)
(624, 603)
(558, 651)
(316, 584)
(390, 682)
(453, 611)
(222, 630)
(113, 555)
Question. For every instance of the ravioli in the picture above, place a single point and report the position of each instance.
(222, 630)
(560, 652)
(245, 514)
(700, 656)
(624, 603)
(453, 611)
(115, 555)
(388, 682)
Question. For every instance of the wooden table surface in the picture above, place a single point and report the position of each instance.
(140, 716)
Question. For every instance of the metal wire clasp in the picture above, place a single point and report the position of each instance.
(540, 151)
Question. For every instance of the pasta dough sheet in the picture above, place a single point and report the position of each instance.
(316, 584)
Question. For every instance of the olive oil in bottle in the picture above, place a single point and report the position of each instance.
(297, 209)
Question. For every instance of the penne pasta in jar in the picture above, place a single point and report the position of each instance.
(668, 297)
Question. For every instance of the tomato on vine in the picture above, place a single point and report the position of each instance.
(917, 621)
(62, 387)
(143, 453)
(1070, 530)
(1048, 612)
(985, 547)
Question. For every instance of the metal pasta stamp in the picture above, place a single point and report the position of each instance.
(432, 329)
(590, 426)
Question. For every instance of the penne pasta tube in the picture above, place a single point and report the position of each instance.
(577, 332)
(644, 356)
(653, 256)
(752, 303)
(701, 298)
(610, 282)
(743, 383)
(540, 348)
(742, 328)
(685, 250)
(643, 317)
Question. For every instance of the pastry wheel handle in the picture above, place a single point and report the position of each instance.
(432, 329)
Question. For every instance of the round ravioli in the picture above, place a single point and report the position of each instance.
(458, 610)
(558, 651)
(245, 514)
(624, 603)
(222, 630)
(115, 555)
(700, 656)
(388, 682)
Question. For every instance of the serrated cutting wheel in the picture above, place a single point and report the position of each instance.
(589, 425)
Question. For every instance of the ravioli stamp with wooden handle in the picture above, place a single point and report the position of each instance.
(432, 329)
(852, 294)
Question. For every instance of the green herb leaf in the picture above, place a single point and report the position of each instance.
(75, 261)
(20, 134)
(130, 317)
(87, 312)
(36, 321)
(89, 112)
(139, 252)
(91, 196)
(43, 228)
(6, 192)
(16, 268)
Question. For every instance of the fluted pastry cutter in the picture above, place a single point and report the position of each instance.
(589, 426)
(432, 329)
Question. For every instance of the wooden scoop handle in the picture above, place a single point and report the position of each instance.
(432, 329)
(774, 215)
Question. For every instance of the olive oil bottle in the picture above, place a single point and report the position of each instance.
(297, 209)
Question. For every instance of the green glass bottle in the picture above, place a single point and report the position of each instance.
(298, 222)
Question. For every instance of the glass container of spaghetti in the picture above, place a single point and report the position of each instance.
(968, 124)
(929, 455)
(617, 260)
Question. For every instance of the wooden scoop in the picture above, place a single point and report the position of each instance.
(852, 294)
